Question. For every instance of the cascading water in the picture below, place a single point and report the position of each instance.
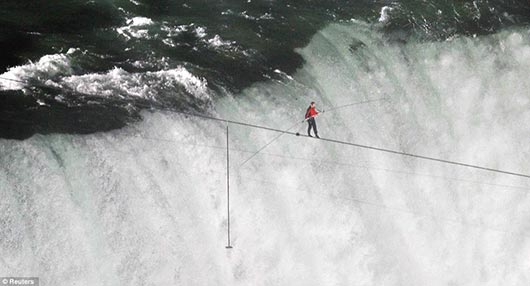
(146, 204)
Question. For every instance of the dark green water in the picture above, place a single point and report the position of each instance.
(119, 47)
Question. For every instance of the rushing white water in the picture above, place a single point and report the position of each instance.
(48, 65)
(145, 205)
(142, 85)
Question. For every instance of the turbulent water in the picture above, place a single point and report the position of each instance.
(103, 182)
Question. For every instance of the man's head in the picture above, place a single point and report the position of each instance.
(312, 104)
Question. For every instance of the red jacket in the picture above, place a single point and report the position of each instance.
(311, 112)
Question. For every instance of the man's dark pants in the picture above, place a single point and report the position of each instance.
(312, 123)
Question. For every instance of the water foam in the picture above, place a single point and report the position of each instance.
(145, 28)
(137, 27)
(385, 14)
(48, 66)
(148, 85)
(218, 42)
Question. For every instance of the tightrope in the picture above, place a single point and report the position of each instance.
(358, 145)
(335, 141)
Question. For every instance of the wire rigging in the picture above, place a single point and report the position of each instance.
(335, 141)
(360, 145)
(355, 103)
(326, 195)
(269, 143)
(288, 129)
(331, 162)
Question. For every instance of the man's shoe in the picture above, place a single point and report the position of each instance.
(316, 135)
(309, 135)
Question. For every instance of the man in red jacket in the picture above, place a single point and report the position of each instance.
(310, 115)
